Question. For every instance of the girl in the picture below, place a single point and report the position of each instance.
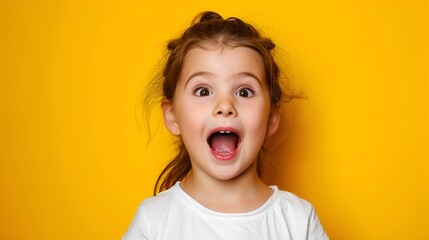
(221, 96)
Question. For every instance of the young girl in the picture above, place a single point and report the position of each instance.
(221, 96)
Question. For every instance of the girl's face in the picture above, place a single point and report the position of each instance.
(221, 110)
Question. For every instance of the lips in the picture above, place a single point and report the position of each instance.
(223, 143)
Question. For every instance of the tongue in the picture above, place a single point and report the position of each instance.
(224, 143)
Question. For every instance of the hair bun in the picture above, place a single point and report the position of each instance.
(207, 16)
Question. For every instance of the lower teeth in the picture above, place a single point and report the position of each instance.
(223, 153)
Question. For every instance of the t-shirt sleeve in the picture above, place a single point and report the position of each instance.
(137, 229)
(315, 229)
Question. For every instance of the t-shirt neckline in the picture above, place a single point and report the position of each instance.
(195, 204)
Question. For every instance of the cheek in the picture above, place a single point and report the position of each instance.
(256, 120)
(190, 115)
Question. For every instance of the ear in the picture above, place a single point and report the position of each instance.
(273, 121)
(169, 117)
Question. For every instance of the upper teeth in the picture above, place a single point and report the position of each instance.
(225, 131)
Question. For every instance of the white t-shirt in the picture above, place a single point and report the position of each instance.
(173, 214)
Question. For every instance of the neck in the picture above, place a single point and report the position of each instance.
(244, 193)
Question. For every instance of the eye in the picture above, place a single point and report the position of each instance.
(245, 92)
(202, 92)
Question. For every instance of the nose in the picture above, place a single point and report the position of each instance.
(225, 107)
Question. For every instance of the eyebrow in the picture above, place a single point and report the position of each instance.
(249, 74)
(241, 74)
(196, 75)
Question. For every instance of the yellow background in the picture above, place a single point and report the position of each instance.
(73, 162)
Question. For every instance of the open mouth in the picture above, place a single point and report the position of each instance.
(223, 143)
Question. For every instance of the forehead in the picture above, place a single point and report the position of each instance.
(223, 59)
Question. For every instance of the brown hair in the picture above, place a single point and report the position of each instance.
(211, 27)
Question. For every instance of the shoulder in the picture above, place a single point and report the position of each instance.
(293, 202)
(154, 206)
(152, 213)
(301, 214)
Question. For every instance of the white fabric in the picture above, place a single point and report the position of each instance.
(175, 215)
